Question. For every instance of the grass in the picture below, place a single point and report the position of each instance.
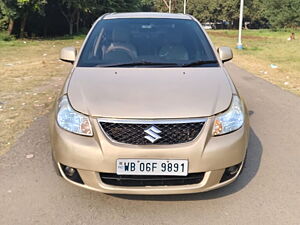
(31, 74)
(263, 48)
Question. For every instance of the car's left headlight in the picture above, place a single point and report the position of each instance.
(70, 120)
(231, 120)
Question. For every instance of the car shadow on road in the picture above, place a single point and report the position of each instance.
(251, 168)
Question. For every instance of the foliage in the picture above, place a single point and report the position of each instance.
(261, 13)
(283, 13)
(72, 9)
(8, 10)
(4, 36)
(15, 9)
(34, 5)
(41, 17)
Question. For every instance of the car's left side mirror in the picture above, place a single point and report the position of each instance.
(225, 53)
(68, 54)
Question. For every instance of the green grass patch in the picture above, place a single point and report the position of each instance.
(4, 36)
(263, 48)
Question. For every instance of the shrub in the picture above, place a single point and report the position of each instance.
(6, 37)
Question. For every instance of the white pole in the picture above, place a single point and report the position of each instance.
(170, 6)
(184, 7)
(240, 44)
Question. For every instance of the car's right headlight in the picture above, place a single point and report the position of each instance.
(70, 120)
(231, 120)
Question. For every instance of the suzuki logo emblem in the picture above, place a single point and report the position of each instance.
(153, 134)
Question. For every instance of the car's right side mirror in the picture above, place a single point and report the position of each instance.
(68, 54)
(225, 53)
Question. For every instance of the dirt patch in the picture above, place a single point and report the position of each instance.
(29, 84)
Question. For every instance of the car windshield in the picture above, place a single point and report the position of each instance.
(147, 42)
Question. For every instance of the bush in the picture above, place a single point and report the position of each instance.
(6, 37)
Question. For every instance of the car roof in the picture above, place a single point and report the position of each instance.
(148, 15)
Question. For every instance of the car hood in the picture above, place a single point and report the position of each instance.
(149, 92)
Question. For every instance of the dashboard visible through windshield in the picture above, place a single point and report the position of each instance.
(147, 42)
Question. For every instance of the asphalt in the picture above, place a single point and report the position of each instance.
(266, 193)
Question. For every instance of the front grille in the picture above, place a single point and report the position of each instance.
(134, 133)
(142, 180)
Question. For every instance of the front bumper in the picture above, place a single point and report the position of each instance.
(91, 155)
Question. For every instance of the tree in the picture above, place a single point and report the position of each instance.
(70, 9)
(25, 7)
(283, 13)
(146, 5)
(72, 15)
(205, 10)
(9, 13)
(14, 9)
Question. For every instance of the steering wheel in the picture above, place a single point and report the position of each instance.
(119, 53)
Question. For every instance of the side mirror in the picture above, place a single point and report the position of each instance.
(225, 54)
(68, 54)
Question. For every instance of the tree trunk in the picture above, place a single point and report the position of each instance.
(70, 17)
(45, 30)
(77, 21)
(23, 25)
(10, 26)
(71, 25)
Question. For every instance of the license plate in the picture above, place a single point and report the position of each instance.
(152, 167)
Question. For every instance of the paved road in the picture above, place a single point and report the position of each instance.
(266, 193)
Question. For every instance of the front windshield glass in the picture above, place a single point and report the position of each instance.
(155, 42)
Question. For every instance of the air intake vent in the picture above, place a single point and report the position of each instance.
(154, 132)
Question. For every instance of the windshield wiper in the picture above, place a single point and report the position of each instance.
(140, 63)
(199, 63)
(149, 63)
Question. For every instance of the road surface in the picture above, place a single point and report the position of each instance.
(268, 192)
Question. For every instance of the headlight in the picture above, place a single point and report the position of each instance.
(70, 120)
(230, 120)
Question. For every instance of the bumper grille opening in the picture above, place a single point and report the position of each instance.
(142, 180)
(230, 172)
(173, 133)
(74, 177)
